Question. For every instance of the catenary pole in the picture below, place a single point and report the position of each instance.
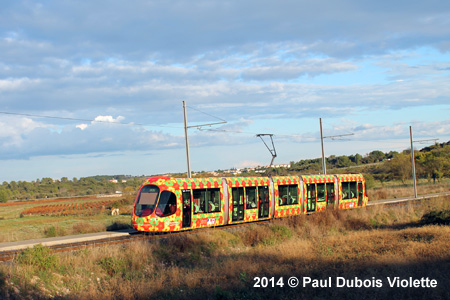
(189, 175)
(413, 162)
(324, 164)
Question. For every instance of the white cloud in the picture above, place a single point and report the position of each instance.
(82, 126)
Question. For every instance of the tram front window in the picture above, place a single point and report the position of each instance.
(147, 200)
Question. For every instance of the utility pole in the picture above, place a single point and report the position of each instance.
(186, 127)
(189, 175)
(413, 161)
(324, 163)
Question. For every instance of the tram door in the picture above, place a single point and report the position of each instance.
(360, 193)
(238, 204)
(330, 194)
(264, 203)
(311, 198)
(187, 204)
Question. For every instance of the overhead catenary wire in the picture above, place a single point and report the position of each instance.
(86, 120)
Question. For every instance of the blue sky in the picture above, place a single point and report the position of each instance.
(371, 68)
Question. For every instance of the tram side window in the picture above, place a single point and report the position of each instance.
(251, 197)
(199, 201)
(353, 190)
(321, 192)
(287, 194)
(345, 190)
(167, 204)
(213, 200)
(206, 200)
(349, 190)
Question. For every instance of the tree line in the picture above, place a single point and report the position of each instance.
(64, 187)
(432, 163)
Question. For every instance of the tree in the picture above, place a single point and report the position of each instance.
(400, 167)
(4, 195)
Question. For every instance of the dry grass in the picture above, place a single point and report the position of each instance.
(392, 190)
(16, 227)
(371, 243)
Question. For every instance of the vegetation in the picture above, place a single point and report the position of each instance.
(49, 188)
(432, 165)
(58, 217)
(366, 244)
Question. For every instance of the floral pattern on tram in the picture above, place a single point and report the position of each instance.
(352, 191)
(174, 221)
(204, 219)
(287, 196)
(319, 192)
(246, 203)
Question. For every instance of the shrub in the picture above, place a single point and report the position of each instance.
(112, 265)
(38, 256)
(53, 231)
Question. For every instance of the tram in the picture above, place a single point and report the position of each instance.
(166, 204)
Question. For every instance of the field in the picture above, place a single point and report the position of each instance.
(398, 189)
(369, 246)
(58, 217)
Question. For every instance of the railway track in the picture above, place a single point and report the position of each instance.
(8, 251)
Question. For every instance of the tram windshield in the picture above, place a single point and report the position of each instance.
(147, 200)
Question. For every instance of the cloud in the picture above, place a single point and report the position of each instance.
(23, 138)
(242, 61)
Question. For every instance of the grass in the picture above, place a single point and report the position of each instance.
(16, 227)
(363, 244)
(398, 189)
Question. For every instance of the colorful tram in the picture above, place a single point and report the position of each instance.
(165, 204)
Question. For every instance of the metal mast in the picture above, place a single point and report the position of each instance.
(186, 127)
(189, 175)
(413, 162)
(324, 164)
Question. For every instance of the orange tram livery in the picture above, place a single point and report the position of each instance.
(165, 204)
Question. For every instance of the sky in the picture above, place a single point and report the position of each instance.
(96, 87)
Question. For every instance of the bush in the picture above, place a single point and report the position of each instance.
(53, 231)
(38, 256)
(112, 265)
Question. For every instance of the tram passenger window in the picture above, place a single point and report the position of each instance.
(283, 195)
(251, 197)
(349, 190)
(199, 200)
(167, 204)
(288, 194)
(213, 200)
(320, 192)
(293, 194)
(353, 190)
(206, 200)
